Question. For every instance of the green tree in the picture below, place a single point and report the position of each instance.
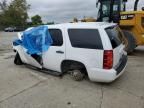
(14, 14)
(75, 19)
(36, 20)
(3, 5)
(3, 9)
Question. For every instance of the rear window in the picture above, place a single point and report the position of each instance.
(85, 38)
(115, 36)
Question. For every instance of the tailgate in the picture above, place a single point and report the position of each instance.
(118, 52)
(116, 39)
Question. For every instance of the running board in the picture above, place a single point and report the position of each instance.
(51, 72)
(43, 70)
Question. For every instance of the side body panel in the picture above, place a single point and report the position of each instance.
(26, 58)
(89, 57)
(55, 55)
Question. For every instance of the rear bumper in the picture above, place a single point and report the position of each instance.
(103, 75)
(121, 65)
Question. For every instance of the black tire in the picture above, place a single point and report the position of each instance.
(18, 60)
(131, 42)
(77, 75)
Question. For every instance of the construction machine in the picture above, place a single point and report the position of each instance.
(130, 22)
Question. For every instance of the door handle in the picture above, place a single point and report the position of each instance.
(60, 52)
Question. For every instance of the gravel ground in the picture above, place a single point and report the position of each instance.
(21, 87)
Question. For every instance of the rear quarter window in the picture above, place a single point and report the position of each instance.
(85, 38)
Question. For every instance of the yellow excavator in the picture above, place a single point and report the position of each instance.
(130, 22)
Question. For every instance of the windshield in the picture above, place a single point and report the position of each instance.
(115, 36)
(106, 8)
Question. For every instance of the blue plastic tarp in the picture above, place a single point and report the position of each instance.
(36, 40)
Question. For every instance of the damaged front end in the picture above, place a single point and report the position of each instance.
(31, 44)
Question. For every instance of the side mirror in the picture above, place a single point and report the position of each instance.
(142, 8)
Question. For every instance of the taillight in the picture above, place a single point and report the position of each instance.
(108, 59)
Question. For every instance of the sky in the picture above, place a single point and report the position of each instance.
(66, 10)
(62, 10)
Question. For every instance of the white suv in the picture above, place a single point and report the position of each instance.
(92, 49)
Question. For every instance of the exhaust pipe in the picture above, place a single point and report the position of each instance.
(124, 3)
(136, 5)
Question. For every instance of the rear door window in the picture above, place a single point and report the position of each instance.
(115, 36)
(85, 38)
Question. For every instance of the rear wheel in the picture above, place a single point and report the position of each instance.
(130, 41)
(76, 69)
(77, 75)
(17, 59)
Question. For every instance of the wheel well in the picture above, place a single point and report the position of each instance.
(68, 65)
(14, 50)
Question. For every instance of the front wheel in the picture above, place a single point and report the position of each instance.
(17, 59)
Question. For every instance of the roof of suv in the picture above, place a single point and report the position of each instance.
(85, 24)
